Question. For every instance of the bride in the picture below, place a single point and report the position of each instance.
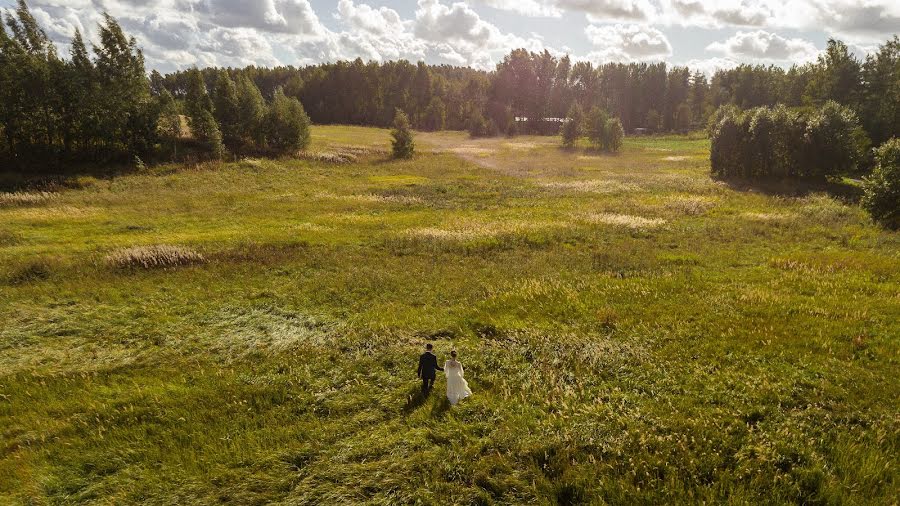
(457, 387)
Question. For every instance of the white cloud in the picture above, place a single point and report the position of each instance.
(533, 8)
(763, 45)
(627, 42)
(710, 66)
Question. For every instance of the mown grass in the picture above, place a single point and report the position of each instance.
(634, 332)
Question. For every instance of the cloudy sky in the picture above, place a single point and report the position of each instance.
(180, 33)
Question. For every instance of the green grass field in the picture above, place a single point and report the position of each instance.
(634, 332)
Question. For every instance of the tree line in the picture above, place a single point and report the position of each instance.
(104, 107)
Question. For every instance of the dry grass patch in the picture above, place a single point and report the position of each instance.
(17, 199)
(372, 198)
(675, 158)
(592, 186)
(768, 217)
(471, 230)
(159, 256)
(624, 220)
(473, 150)
(691, 206)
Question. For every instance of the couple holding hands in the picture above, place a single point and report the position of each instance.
(457, 387)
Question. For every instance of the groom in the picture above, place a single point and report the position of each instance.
(427, 366)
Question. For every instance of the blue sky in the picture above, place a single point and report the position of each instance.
(706, 35)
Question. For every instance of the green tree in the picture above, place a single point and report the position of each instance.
(614, 135)
(653, 121)
(832, 134)
(435, 115)
(402, 143)
(250, 114)
(199, 107)
(287, 124)
(572, 128)
(169, 121)
(596, 127)
(882, 189)
(683, 118)
(127, 112)
(226, 111)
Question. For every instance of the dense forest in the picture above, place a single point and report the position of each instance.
(105, 107)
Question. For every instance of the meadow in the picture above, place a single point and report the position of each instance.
(634, 331)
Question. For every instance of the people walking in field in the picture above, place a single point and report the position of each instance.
(457, 386)
(428, 367)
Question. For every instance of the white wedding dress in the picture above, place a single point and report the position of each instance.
(457, 387)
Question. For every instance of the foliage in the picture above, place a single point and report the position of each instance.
(402, 144)
(169, 121)
(683, 118)
(653, 121)
(882, 188)
(596, 127)
(287, 125)
(481, 127)
(614, 135)
(199, 107)
(572, 128)
(226, 109)
(765, 143)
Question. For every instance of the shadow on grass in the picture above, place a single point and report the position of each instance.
(414, 399)
(848, 190)
(440, 405)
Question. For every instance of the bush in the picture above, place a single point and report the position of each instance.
(775, 142)
(614, 135)
(287, 124)
(832, 141)
(596, 127)
(402, 143)
(571, 129)
(882, 189)
(480, 127)
(207, 133)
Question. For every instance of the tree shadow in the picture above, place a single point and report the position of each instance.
(847, 190)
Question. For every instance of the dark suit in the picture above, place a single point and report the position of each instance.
(427, 367)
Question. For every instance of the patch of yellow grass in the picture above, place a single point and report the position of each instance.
(152, 257)
(675, 158)
(472, 150)
(309, 227)
(592, 185)
(372, 198)
(768, 217)
(25, 198)
(624, 220)
(520, 145)
(691, 206)
(56, 212)
(472, 230)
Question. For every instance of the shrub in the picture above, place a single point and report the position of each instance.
(402, 143)
(653, 120)
(683, 118)
(571, 129)
(882, 189)
(287, 124)
(207, 133)
(778, 143)
(596, 127)
(152, 257)
(832, 145)
(614, 135)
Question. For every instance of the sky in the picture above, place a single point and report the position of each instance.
(178, 34)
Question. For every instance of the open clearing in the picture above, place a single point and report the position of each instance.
(633, 331)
